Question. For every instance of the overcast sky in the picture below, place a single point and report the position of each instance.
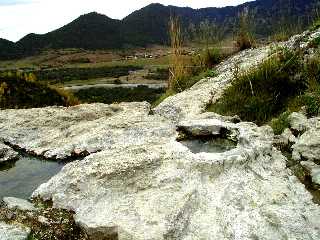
(20, 17)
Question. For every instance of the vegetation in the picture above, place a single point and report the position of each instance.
(61, 75)
(244, 38)
(95, 31)
(119, 94)
(281, 123)
(17, 91)
(178, 69)
(186, 71)
(158, 74)
(266, 91)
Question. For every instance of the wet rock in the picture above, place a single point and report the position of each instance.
(7, 153)
(13, 232)
(204, 127)
(17, 203)
(314, 172)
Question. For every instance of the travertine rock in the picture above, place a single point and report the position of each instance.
(13, 232)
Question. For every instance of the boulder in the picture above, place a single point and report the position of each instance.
(307, 147)
(13, 232)
(7, 153)
(285, 140)
(313, 171)
(17, 203)
(298, 122)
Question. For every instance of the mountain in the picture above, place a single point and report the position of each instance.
(149, 25)
(8, 50)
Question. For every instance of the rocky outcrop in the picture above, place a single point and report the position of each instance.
(194, 101)
(307, 145)
(19, 204)
(7, 154)
(138, 181)
(62, 133)
(313, 171)
(13, 232)
(164, 191)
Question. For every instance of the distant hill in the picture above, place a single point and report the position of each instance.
(149, 26)
(8, 50)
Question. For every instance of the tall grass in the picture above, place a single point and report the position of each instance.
(263, 92)
(244, 38)
(177, 64)
(185, 71)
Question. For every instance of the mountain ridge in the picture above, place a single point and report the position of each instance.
(149, 25)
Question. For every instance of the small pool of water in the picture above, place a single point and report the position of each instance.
(215, 145)
(21, 178)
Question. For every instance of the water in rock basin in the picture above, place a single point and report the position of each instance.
(21, 178)
(214, 145)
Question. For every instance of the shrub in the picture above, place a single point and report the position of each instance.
(209, 73)
(281, 123)
(315, 43)
(263, 92)
(315, 25)
(69, 98)
(19, 92)
(244, 38)
(280, 36)
(211, 57)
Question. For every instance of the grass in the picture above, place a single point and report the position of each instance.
(119, 94)
(280, 123)
(268, 93)
(244, 38)
(264, 92)
(164, 96)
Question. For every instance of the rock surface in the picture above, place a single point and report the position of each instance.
(314, 171)
(13, 232)
(164, 191)
(307, 146)
(140, 183)
(61, 133)
(7, 153)
(17, 203)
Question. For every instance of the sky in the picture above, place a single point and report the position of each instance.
(20, 17)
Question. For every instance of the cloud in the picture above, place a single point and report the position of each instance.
(14, 2)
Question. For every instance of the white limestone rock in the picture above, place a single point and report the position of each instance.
(164, 191)
(288, 137)
(307, 146)
(193, 101)
(313, 170)
(60, 133)
(13, 232)
(298, 122)
(17, 203)
(7, 153)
